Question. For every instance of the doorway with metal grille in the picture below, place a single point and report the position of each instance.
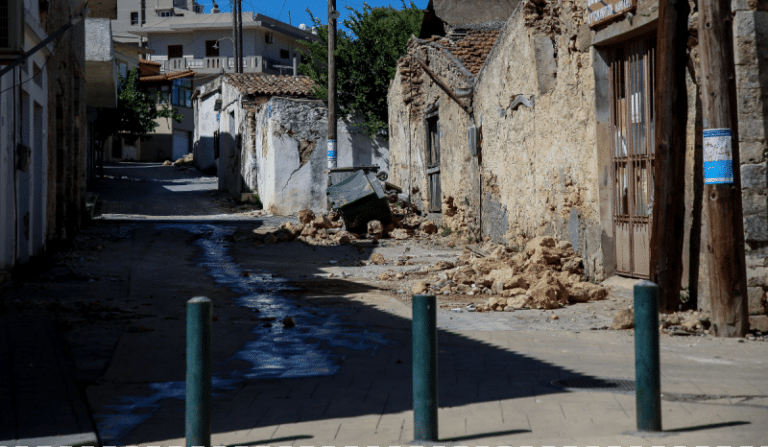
(632, 154)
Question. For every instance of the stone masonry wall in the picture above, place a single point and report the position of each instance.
(535, 98)
(750, 30)
(415, 93)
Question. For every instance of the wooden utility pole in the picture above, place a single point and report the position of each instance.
(235, 46)
(332, 16)
(668, 222)
(240, 36)
(722, 177)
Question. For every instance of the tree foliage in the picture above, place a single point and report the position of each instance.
(366, 60)
(136, 110)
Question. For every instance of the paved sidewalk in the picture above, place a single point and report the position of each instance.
(495, 388)
(342, 376)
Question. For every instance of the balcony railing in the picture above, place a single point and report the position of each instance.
(212, 64)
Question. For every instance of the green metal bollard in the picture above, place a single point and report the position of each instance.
(424, 338)
(647, 374)
(198, 398)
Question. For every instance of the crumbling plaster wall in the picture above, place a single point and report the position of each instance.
(535, 101)
(286, 160)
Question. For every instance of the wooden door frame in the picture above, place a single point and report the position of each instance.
(632, 159)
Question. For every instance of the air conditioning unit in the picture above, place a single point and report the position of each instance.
(11, 30)
(269, 38)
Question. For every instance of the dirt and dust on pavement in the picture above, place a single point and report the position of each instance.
(294, 297)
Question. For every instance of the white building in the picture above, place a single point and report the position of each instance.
(181, 36)
(267, 134)
(24, 149)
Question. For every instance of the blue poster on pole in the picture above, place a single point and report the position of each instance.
(718, 156)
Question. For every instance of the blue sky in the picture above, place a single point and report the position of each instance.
(279, 9)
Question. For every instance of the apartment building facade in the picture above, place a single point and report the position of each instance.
(181, 36)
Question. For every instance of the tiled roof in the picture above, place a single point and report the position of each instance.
(169, 76)
(471, 49)
(146, 62)
(261, 84)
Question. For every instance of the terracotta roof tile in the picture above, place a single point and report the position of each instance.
(170, 76)
(146, 62)
(470, 49)
(261, 84)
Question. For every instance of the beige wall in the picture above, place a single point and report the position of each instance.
(540, 157)
(542, 101)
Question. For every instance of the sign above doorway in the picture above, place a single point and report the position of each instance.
(602, 11)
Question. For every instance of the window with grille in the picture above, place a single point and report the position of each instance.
(632, 155)
(134, 18)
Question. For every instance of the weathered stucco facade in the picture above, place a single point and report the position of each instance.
(268, 137)
(556, 105)
(286, 161)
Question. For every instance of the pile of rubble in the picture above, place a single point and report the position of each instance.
(183, 161)
(685, 323)
(328, 229)
(546, 275)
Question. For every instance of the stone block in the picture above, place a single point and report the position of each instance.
(744, 25)
(757, 277)
(745, 51)
(743, 5)
(751, 129)
(754, 202)
(751, 103)
(747, 77)
(756, 300)
(753, 176)
(756, 228)
(758, 322)
(752, 151)
(755, 258)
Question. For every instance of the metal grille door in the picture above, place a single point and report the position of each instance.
(632, 80)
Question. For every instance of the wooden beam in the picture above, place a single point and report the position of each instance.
(668, 229)
(443, 85)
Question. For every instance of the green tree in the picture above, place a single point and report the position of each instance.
(136, 110)
(366, 60)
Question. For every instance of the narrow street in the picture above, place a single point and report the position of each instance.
(309, 348)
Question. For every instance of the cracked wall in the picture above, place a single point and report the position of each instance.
(285, 160)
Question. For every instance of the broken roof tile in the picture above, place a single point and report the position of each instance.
(262, 84)
(471, 49)
(168, 76)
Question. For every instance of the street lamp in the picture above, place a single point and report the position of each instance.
(216, 45)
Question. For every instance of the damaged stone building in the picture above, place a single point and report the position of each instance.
(267, 134)
(542, 124)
